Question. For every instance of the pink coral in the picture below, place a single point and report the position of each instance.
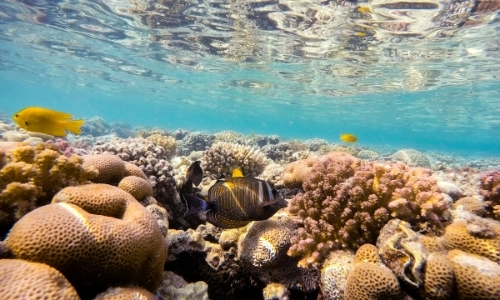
(490, 189)
(347, 201)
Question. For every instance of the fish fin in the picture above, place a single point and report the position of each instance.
(195, 173)
(264, 204)
(196, 205)
(237, 173)
(74, 126)
(187, 187)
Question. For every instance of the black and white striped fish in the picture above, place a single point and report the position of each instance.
(236, 201)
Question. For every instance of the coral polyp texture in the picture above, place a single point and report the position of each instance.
(31, 175)
(490, 190)
(370, 281)
(223, 157)
(152, 160)
(97, 236)
(29, 280)
(346, 202)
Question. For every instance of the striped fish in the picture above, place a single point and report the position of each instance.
(236, 201)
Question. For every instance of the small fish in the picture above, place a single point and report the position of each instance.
(47, 121)
(348, 138)
(360, 34)
(234, 202)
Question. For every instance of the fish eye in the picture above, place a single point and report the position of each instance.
(17, 115)
(274, 191)
(26, 123)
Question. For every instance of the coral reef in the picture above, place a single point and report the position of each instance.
(470, 204)
(175, 287)
(125, 293)
(153, 162)
(367, 253)
(347, 201)
(96, 127)
(30, 280)
(194, 141)
(138, 187)
(370, 281)
(275, 291)
(490, 190)
(111, 168)
(439, 277)
(297, 172)
(31, 175)
(412, 158)
(97, 235)
(334, 274)
(167, 142)
(474, 235)
(477, 277)
(223, 157)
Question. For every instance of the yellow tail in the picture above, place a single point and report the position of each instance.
(74, 126)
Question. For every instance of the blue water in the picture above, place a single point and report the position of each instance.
(93, 59)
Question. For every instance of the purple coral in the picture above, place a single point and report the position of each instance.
(490, 190)
(347, 201)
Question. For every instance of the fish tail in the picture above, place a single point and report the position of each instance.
(74, 126)
(195, 205)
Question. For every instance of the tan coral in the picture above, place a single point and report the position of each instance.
(297, 172)
(367, 253)
(476, 235)
(369, 281)
(275, 291)
(432, 243)
(477, 277)
(439, 277)
(334, 274)
(136, 186)
(266, 243)
(111, 168)
(29, 280)
(126, 293)
(133, 170)
(108, 239)
(167, 142)
(31, 175)
(471, 204)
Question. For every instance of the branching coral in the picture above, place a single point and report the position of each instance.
(167, 142)
(490, 189)
(195, 141)
(347, 201)
(31, 175)
(223, 157)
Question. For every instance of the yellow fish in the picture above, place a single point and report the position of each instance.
(348, 138)
(364, 9)
(47, 121)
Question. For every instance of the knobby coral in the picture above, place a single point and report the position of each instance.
(31, 175)
(490, 190)
(346, 202)
(223, 157)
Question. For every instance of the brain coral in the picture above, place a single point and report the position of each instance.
(346, 202)
(477, 277)
(369, 281)
(266, 243)
(29, 280)
(412, 158)
(31, 175)
(297, 172)
(439, 278)
(136, 186)
(334, 274)
(475, 235)
(223, 157)
(96, 235)
(153, 161)
(490, 190)
(111, 168)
